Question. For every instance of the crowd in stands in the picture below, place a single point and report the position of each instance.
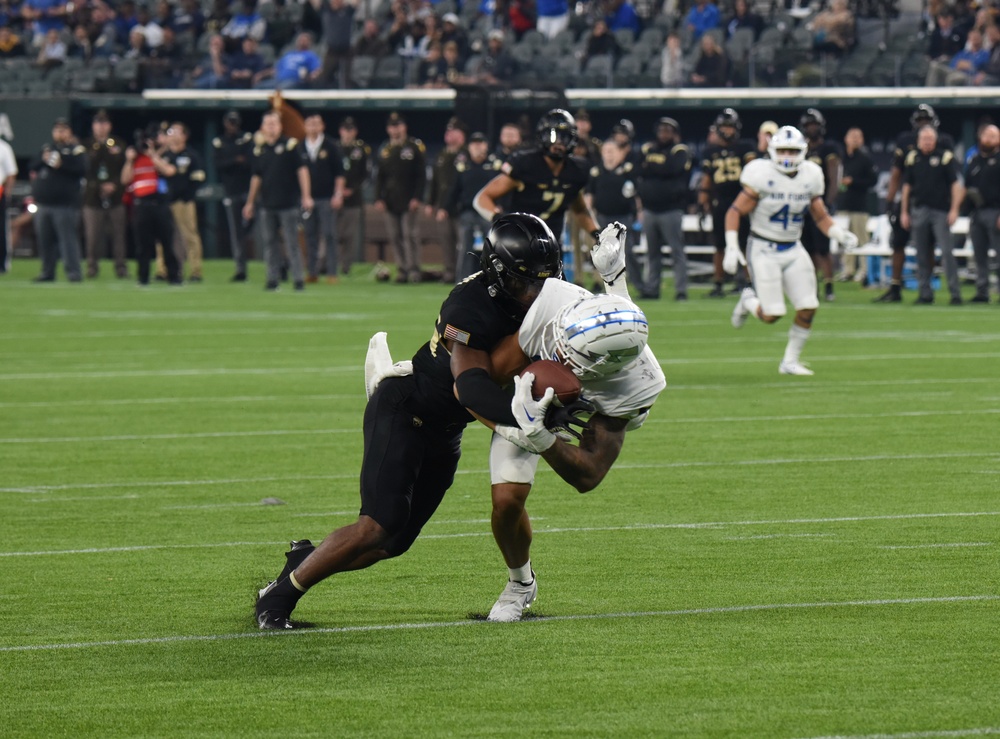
(125, 45)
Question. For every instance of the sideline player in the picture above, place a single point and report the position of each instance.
(603, 338)
(776, 194)
(413, 422)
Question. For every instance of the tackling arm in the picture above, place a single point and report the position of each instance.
(474, 386)
(486, 199)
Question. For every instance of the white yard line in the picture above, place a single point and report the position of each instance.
(828, 416)
(940, 734)
(189, 372)
(561, 530)
(165, 437)
(36, 489)
(939, 546)
(203, 400)
(722, 610)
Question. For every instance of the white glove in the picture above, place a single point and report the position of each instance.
(379, 365)
(733, 257)
(530, 413)
(845, 238)
(517, 437)
(608, 254)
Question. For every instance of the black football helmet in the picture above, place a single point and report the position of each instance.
(728, 118)
(519, 253)
(812, 116)
(924, 115)
(556, 127)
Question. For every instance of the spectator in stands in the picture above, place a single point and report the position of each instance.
(189, 20)
(621, 14)
(164, 17)
(497, 67)
(53, 51)
(990, 73)
(431, 69)
(601, 42)
(245, 65)
(295, 69)
(125, 20)
(337, 18)
(833, 29)
(963, 67)
(743, 17)
(165, 66)
(673, 65)
(703, 16)
(453, 65)
(947, 39)
(860, 176)
(416, 42)
(246, 22)
(522, 16)
(983, 182)
(712, 67)
(213, 70)
(452, 31)
(553, 17)
(151, 30)
(82, 47)
(11, 45)
(42, 16)
(218, 18)
(399, 27)
(137, 46)
(370, 42)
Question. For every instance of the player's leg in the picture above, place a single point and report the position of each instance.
(765, 300)
(719, 240)
(900, 238)
(799, 282)
(512, 472)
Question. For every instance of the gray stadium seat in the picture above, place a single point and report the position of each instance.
(362, 71)
(596, 72)
(388, 73)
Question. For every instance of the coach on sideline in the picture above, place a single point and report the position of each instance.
(983, 186)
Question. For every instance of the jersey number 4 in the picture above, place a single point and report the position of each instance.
(785, 215)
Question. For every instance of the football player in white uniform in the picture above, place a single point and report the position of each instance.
(776, 194)
(603, 339)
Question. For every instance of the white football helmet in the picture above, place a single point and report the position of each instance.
(598, 335)
(786, 140)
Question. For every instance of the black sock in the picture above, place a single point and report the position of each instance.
(283, 596)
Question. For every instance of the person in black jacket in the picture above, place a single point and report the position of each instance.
(399, 189)
(56, 189)
(326, 175)
(859, 177)
(356, 156)
(472, 172)
(982, 182)
(664, 175)
(233, 152)
(613, 196)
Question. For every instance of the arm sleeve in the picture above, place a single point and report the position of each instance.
(478, 393)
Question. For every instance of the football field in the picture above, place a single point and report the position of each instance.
(771, 556)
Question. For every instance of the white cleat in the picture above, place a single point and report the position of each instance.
(515, 599)
(794, 368)
(740, 312)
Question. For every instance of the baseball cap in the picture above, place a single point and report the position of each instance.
(667, 121)
(449, 18)
(769, 127)
(232, 117)
(496, 34)
(349, 124)
(456, 122)
(478, 136)
(582, 115)
(394, 119)
(64, 122)
(101, 116)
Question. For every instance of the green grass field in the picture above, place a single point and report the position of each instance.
(771, 557)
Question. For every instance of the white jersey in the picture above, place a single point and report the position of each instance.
(625, 394)
(783, 200)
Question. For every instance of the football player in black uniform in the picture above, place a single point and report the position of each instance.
(825, 154)
(544, 181)
(413, 421)
(721, 167)
(905, 143)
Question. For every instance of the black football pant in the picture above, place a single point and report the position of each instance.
(154, 223)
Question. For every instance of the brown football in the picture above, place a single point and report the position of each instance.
(559, 377)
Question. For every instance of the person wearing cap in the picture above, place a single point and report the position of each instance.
(497, 67)
(473, 170)
(443, 173)
(337, 18)
(613, 195)
(103, 212)
(326, 175)
(356, 159)
(906, 142)
(451, 30)
(296, 69)
(232, 153)
(664, 176)
(8, 176)
(399, 188)
(55, 188)
(764, 133)
(587, 148)
(280, 181)
(185, 174)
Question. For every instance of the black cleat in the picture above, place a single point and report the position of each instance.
(716, 292)
(980, 298)
(924, 301)
(892, 295)
(271, 286)
(239, 277)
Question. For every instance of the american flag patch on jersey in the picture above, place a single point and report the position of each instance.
(450, 332)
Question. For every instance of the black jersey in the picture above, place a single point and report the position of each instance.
(907, 142)
(724, 165)
(542, 193)
(468, 316)
(614, 190)
(820, 155)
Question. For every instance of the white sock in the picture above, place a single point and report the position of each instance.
(797, 337)
(752, 305)
(522, 573)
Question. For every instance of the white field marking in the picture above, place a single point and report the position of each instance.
(254, 504)
(776, 536)
(217, 316)
(169, 483)
(940, 546)
(828, 358)
(202, 372)
(174, 401)
(87, 498)
(814, 460)
(256, 331)
(720, 610)
(830, 416)
(564, 530)
(172, 437)
(821, 385)
(944, 734)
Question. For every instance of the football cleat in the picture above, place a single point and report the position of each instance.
(794, 368)
(271, 610)
(515, 599)
(740, 312)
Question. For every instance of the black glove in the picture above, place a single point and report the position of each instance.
(564, 417)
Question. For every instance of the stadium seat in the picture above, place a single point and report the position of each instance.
(596, 72)
(533, 37)
(389, 73)
(652, 36)
(362, 71)
(627, 71)
(625, 37)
